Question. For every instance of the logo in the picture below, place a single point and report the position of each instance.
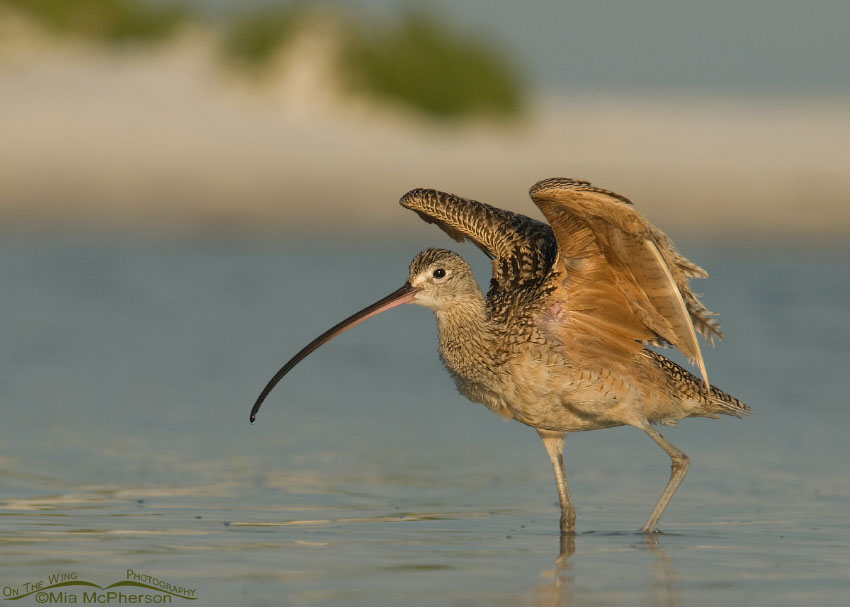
(68, 588)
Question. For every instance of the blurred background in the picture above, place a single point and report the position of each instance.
(260, 115)
(191, 190)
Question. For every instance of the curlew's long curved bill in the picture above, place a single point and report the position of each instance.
(402, 296)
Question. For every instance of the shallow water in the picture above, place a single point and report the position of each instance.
(130, 365)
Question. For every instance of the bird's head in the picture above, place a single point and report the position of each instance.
(440, 278)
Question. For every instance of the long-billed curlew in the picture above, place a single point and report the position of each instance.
(560, 341)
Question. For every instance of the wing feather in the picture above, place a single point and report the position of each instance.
(522, 249)
(672, 298)
(620, 278)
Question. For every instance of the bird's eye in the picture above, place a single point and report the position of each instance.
(439, 273)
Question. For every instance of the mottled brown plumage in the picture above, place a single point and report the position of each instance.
(560, 341)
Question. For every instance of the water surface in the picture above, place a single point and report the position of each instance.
(130, 365)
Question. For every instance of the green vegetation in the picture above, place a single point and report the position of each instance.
(107, 20)
(422, 63)
(252, 40)
(416, 61)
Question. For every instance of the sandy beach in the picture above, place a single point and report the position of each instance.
(168, 139)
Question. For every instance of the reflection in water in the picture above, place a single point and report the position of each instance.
(662, 585)
(568, 548)
(562, 588)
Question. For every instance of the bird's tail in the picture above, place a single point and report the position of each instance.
(705, 402)
(726, 403)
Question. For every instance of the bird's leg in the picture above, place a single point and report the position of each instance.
(679, 469)
(554, 443)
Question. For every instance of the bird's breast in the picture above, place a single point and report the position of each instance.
(482, 393)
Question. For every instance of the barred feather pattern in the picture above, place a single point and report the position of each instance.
(522, 249)
(687, 385)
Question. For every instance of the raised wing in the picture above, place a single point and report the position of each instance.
(620, 280)
(522, 249)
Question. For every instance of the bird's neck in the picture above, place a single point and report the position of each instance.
(465, 337)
